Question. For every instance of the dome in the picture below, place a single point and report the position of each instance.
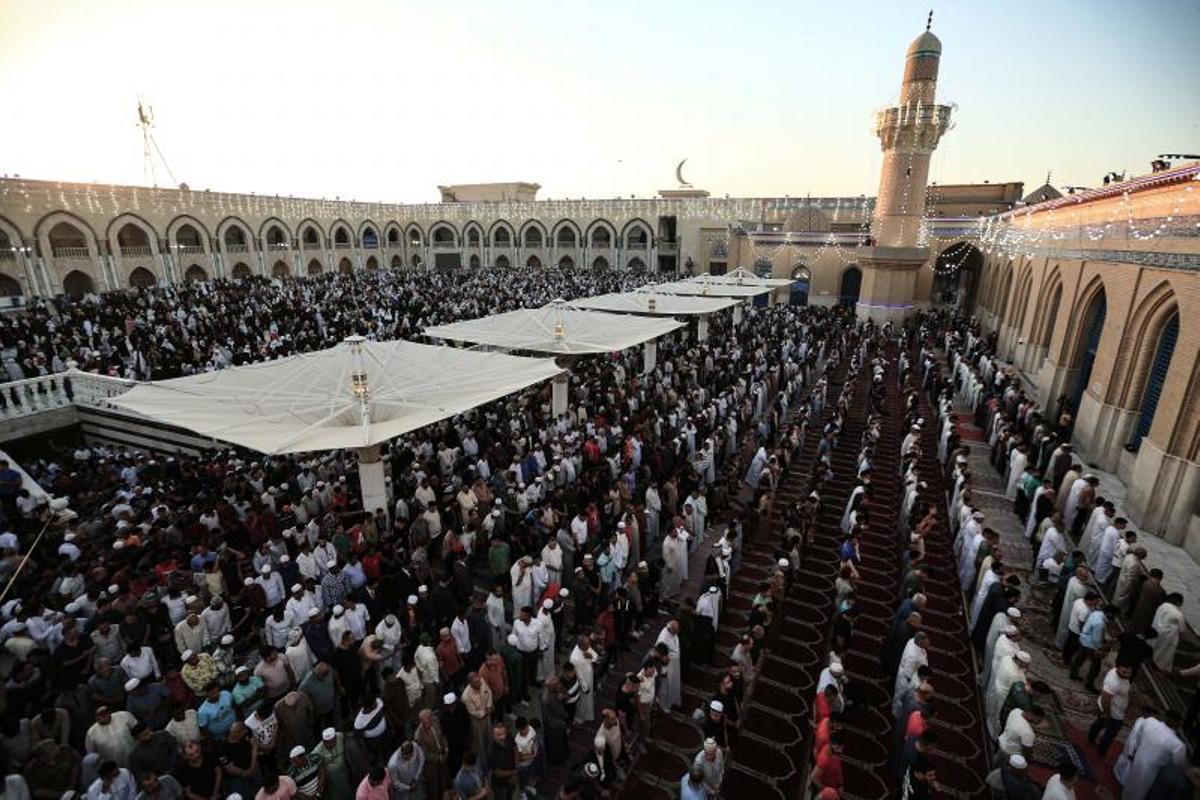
(925, 45)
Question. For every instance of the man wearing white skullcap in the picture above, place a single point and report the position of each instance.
(711, 762)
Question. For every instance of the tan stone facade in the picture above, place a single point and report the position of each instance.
(1097, 297)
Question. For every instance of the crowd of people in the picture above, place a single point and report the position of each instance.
(1110, 616)
(238, 625)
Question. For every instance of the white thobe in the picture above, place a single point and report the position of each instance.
(913, 658)
(1000, 623)
(585, 709)
(675, 568)
(1072, 506)
(1075, 590)
(1158, 747)
(546, 642)
(1102, 564)
(709, 605)
(1006, 673)
(1016, 468)
(671, 693)
(1167, 622)
(989, 578)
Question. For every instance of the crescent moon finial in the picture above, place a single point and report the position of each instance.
(679, 173)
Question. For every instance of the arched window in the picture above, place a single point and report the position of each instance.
(566, 237)
(195, 274)
(473, 262)
(502, 262)
(345, 267)
(799, 292)
(566, 262)
(370, 239)
(763, 267)
(189, 239)
(393, 237)
(1159, 368)
(9, 287)
(67, 240)
(341, 236)
(133, 241)
(397, 262)
(235, 236)
(600, 264)
(414, 238)
(850, 287)
(416, 260)
(1093, 327)
(637, 238)
(473, 237)
(240, 270)
(76, 284)
(533, 262)
(637, 265)
(312, 239)
(276, 238)
(372, 264)
(1051, 316)
(502, 238)
(314, 267)
(533, 237)
(443, 236)
(280, 270)
(601, 238)
(141, 278)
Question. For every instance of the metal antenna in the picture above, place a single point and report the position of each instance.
(146, 123)
(929, 21)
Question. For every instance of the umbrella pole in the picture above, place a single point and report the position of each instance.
(650, 360)
(371, 479)
(558, 395)
(702, 325)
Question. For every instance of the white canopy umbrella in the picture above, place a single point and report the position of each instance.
(744, 277)
(650, 303)
(705, 287)
(557, 328)
(561, 329)
(356, 394)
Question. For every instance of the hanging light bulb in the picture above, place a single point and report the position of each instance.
(560, 330)
(358, 385)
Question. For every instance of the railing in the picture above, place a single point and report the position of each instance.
(342, 245)
(635, 246)
(370, 245)
(7, 255)
(503, 245)
(237, 248)
(49, 392)
(191, 249)
(279, 246)
(668, 247)
(135, 250)
(309, 247)
(445, 246)
(72, 252)
(600, 246)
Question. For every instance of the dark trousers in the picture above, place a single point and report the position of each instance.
(1093, 658)
(1103, 731)
(1070, 648)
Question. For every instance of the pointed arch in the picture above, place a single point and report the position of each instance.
(76, 284)
(533, 234)
(1016, 315)
(235, 235)
(566, 234)
(640, 231)
(1049, 300)
(341, 234)
(502, 262)
(87, 238)
(142, 278)
(501, 234)
(533, 262)
(240, 270)
(372, 264)
(443, 234)
(195, 274)
(414, 235)
(636, 265)
(280, 269)
(315, 267)
(393, 234)
(1086, 332)
(566, 263)
(850, 286)
(600, 234)
(397, 262)
(10, 287)
(473, 234)
(130, 235)
(187, 233)
(473, 261)
(600, 264)
(275, 222)
(368, 234)
(310, 234)
(345, 267)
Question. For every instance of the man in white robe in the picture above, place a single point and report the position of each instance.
(1157, 747)
(966, 560)
(546, 640)
(914, 657)
(1089, 542)
(1007, 645)
(1106, 546)
(671, 692)
(1007, 672)
(1016, 470)
(1077, 588)
(1168, 621)
(583, 657)
(855, 497)
(675, 558)
(987, 580)
(1001, 622)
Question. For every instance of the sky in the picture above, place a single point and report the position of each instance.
(386, 99)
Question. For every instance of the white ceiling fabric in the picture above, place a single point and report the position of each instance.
(744, 277)
(708, 288)
(307, 402)
(558, 328)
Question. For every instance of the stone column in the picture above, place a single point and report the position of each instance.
(651, 357)
(702, 324)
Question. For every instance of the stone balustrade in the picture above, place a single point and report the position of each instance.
(48, 392)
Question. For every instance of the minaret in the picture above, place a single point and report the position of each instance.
(908, 133)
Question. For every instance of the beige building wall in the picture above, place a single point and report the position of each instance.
(1133, 250)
